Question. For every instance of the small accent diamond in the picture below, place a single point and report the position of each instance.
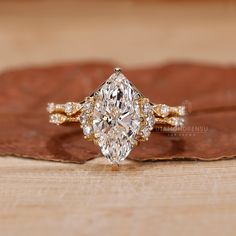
(176, 121)
(182, 110)
(84, 117)
(147, 108)
(69, 108)
(164, 110)
(51, 107)
(151, 121)
(88, 105)
(57, 119)
(145, 133)
(87, 130)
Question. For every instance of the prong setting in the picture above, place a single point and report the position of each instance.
(117, 70)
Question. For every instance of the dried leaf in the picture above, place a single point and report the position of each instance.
(209, 135)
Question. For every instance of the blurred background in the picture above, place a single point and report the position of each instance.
(130, 33)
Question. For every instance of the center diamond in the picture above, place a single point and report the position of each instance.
(116, 117)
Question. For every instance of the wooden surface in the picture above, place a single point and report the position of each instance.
(123, 31)
(162, 198)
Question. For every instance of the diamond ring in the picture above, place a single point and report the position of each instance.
(116, 117)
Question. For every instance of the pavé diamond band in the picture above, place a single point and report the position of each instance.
(117, 116)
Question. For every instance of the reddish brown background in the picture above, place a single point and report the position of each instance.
(209, 90)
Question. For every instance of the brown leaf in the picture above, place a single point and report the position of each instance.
(209, 135)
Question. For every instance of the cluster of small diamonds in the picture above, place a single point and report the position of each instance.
(70, 108)
(86, 117)
(148, 119)
(56, 110)
(176, 121)
(163, 110)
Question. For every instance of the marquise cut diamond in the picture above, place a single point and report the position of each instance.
(116, 117)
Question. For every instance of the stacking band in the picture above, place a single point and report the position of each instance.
(70, 112)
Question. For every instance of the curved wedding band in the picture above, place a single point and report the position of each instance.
(116, 117)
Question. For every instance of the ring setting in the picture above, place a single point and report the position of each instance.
(116, 117)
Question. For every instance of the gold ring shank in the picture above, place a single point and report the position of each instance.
(70, 113)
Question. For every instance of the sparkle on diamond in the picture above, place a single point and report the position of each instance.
(116, 117)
